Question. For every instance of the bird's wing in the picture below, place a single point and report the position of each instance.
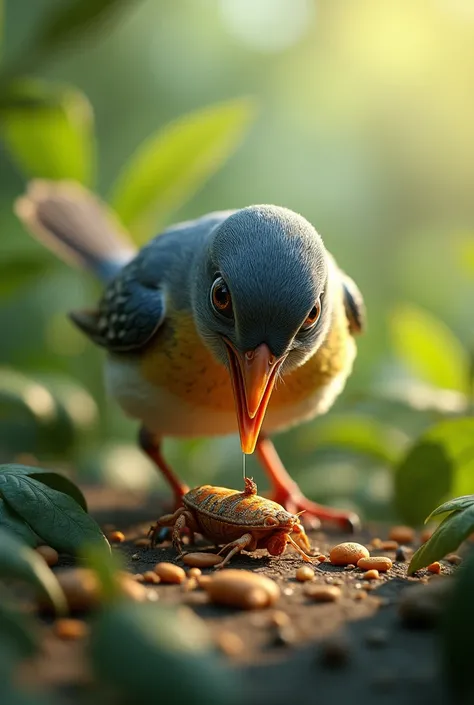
(354, 305)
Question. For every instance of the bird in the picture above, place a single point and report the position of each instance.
(237, 322)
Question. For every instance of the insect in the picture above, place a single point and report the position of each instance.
(240, 520)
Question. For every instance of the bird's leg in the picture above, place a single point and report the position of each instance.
(152, 447)
(287, 493)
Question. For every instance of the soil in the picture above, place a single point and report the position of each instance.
(356, 650)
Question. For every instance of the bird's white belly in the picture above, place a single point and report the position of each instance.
(168, 415)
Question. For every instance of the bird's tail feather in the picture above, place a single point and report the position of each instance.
(75, 225)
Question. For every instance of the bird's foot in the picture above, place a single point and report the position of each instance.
(295, 502)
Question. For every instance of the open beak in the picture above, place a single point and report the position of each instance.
(253, 376)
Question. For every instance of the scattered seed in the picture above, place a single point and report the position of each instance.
(49, 554)
(372, 574)
(229, 643)
(285, 636)
(151, 578)
(142, 543)
(70, 629)
(242, 588)
(454, 559)
(170, 573)
(194, 573)
(376, 543)
(202, 560)
(138, 577)
(323, 593)
(360, 595)
(435, 567)
(116, 537)
(304, 573)
(379, 563)
(402, 534)
(279, 619)
(321, 558)
(351, 566)
(347, 552)
(389, 545)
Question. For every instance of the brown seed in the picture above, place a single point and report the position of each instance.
(380, 563)
(454, 559)
(304, 573)
(279, 619)
(116, 537)
(372, 574)
(360, 595)
(323, 593)
(230, 643)
(402, 534)
(190, 585)
(202, 560)
(203, 580)
(138, 577)
(348, 552)
(434, 567)
(194, 573)
(151, 577)
(321, 558)
(142, 543)
(389, 545)
(49, 554)
(242, 588)
(376, 543)
(70, 629)
(170, 573)
(426, 534)
(133, 589)
(81, 587)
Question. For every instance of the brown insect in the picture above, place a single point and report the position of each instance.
(241, 520)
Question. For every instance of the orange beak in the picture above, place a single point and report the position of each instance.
(253, 377)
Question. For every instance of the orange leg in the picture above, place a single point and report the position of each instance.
(152, 447)
(287, 493)
(245, 541)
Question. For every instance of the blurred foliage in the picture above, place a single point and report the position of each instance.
(373, 143)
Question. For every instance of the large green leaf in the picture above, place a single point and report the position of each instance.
(439, 464)
(52, 479)
(12, 521)
(429, 348)
(135, 646)
(170, 165)
(19, 562)
(53, 138)
(54, 516)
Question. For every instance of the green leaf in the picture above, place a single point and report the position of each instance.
(447, 537)
(169, 166)
(135, 646)
(47, 477)
(12, 521)
(53, 138)
(453, 505)
(357, 433)
(18, 561)
(439, 464)
(428, 348)
(18, 630)
(107, 565)
(55, 516)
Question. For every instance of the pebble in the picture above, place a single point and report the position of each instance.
(49, 554)
(347, 552)
(170, 573)
(402, 534)
(372, 574)
(323, 593)
(304, 573)
(401, 555)
(380, 563)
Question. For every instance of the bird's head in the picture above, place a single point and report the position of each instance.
(260, 304)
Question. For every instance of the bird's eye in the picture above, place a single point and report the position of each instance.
(313, 316)
(221, 298)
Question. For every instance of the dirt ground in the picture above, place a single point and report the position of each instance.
(355, 649)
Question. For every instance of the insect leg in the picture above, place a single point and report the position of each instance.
(164, 521)
(238, 545)
(299, 549)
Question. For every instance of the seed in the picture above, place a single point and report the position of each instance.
(323, 593)
(203, 580)
(304, 573)
(138, 577)
(389, 545)
(360, 595)
(434, 567)
(351, 566)
(242, 588)
(151, 577)
(402, 534)
(321, 558)
(426, 534)
(116, 537)
(380, 563)
(454, 559)
(279, 619)
(170, 573)
(81, 587)
(142, 543)
(202, 560)
(372, 574)
(194, 573)
(230, 643)
(49, 554)
(70, 629)
(190, 585)
(376, 543)
(285, 636)
(348, 552)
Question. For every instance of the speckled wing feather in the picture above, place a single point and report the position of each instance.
(354, 305)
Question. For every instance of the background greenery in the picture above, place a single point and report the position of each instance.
(360, 116)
